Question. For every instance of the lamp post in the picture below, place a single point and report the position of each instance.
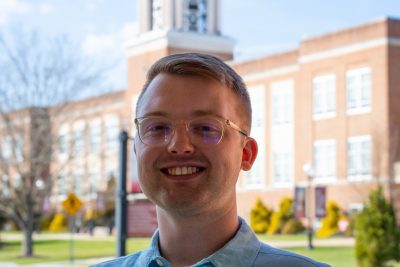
(308, 170)
(121, 202)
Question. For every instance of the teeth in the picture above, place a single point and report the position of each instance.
(182, 170)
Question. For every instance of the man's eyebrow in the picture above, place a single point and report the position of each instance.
(155, 113)
(195, 113)
(203, 113)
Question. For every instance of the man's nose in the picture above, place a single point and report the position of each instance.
(180, 142)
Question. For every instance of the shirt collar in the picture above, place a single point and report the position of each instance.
(241, 250)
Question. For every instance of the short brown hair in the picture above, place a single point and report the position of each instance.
(197, 64)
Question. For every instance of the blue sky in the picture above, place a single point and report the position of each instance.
(101, 27)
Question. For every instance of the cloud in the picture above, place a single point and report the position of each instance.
(10, 7)
(97, 44)
(46, 9)
(129, 30)
(110, 47)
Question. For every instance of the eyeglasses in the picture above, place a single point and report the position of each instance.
(158, 131)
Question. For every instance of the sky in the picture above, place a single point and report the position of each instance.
(102, 27)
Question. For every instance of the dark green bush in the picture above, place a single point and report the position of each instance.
(376, 232)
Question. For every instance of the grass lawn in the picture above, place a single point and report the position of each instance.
(54, 250)
(58, 250)
(335, 256)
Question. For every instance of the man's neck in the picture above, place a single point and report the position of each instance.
(185, 241)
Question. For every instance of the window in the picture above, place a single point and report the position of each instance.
(17, 182)
(63, 140)
(282, 102)
(255, 177)
(77, 181)
(19, 148)
(62, 184)
(6, 147)
(156, 15)
(78, 137)
(358, 86)
(324, 96)
(4, 186)
(325, 160)
(94, 136)
(281, 168)
(94, 181)
(359, 157)
(112, 132)
(195, 16)
(281, 133)
(12, 145)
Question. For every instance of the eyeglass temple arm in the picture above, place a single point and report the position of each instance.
(237, 128)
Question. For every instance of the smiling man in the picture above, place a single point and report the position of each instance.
(193, 121)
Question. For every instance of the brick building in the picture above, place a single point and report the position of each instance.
(332, 104)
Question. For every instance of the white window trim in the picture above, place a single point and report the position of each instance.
(357, 111)
(324, 116)
(283, 184)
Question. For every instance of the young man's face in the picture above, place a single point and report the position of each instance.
(211, 170)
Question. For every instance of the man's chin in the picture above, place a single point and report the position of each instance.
(184, 207)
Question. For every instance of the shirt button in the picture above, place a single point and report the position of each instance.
(159, 262)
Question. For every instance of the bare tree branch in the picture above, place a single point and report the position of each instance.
(38, 78)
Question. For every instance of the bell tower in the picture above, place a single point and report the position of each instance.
(170, 27)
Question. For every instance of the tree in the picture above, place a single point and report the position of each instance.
(38, 77)
(377, 235)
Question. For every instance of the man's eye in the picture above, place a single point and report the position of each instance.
(157, 128)
(205, 128)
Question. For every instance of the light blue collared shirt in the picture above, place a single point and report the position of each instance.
(243, 250)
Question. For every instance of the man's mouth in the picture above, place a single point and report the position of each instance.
(180, 171)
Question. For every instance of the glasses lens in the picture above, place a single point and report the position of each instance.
(206, 130)
(155, 131)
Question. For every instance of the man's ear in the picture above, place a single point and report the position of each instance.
(249, 155)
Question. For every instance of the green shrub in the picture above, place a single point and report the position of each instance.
(376, 233)
(260, 217)
(330, 222)
(281, 216)
(292, 226)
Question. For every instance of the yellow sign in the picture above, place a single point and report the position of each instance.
(72, 204)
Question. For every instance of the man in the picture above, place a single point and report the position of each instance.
(193, 122)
